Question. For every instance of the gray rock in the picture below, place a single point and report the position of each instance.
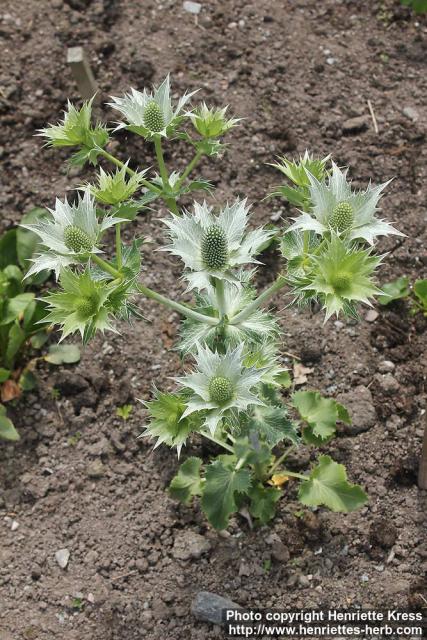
(386, 366)
(411, 113)
(360, 405)
(209, 606)
(387, 383)
(279, 551)
(95, 469)
(62, 557)
(355, 125)
(190, 545)
(192, 7)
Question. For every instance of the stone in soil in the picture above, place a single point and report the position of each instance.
(190, 545)
(209, 606)
(360, 405)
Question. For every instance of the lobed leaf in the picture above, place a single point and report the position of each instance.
(327, 485)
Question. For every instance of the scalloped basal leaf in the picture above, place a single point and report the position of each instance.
(328, 486)
(320, 414)
(263, 502)
(187, 483)
(219, 500)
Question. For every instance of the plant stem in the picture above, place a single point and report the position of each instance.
(292, 474)
(282, 457)
(190, 167)
(219, 293)
(150, 186)
(106, 266)
(171, 202)
(263, 297)
(176, 306)
(118, 247)
(217, 441)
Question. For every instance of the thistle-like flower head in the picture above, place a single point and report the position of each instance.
(81, 305)
(211, 123)
(75, 129)
(113, 188)
(72, 232)
(342, 276)
(151, 113)
(221, 383)
(336, 207)
(212, 245)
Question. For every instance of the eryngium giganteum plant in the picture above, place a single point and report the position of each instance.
(235, 390)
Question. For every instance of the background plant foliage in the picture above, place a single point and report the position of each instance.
(21, 313)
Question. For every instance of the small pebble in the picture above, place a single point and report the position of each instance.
(192, 7)
(62, 557)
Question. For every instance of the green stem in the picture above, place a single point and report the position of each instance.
(217, 441)
(170, 201)
(190, 167)
(292, 474)
(263, 297)
(280, 460)
(176, 306)
(240, 463)
(149, 185)
(219, 293)
(118, 247)
(106, 266)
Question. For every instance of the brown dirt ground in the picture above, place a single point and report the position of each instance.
(296, 70)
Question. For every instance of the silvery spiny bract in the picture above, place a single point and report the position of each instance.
(72, 232)
(220, 383)
(211, 245)
(150, 113)
(238, 394)
(336, 207)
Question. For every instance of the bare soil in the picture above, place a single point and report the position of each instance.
(297, 71)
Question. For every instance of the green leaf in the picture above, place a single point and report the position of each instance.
(263, 502)
(394, 290)
(27, 380)
(38, 339)
(16, 339)
(4, 374)
(8, 254)
(187, 482)
(321, 415)
(63, 354)
(328, 486)
(222, 483)
(16, 306)
(7, 429)
(420, 290)
(274, 425)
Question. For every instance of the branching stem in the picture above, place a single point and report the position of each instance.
(263, 297)
(176, 306)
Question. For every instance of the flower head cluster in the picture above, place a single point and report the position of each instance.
(114, 188)
(70, 234)
(336, 207)
(343, 276)
(219, 384)
(76, 130)
(81, 305)
(211, 122)
(151, 113)
(211, 246)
